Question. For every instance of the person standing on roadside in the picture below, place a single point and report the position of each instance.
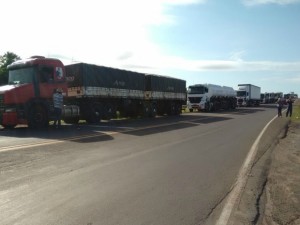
(58, 106)
(279, 107)
(290, 107)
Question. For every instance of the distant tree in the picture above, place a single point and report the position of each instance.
(5, 60)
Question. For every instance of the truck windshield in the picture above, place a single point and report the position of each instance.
(197, 90)
(241, 93)
(21, 76)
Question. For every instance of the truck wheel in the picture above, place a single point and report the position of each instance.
(210, 107)
(153, 111)
(178, 110)
(171, 110)
(160, 110)
(146, 110)
(37, 117)
(109, 112)
(233, 105)
(97, 113)
(94, 114)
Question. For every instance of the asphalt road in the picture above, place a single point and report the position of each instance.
(163, 171)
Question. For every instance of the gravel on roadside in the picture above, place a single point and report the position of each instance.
(272, 193)
(283, 186)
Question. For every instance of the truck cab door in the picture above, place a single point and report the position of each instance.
(50, 78)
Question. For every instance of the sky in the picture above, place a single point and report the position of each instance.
(222, 42)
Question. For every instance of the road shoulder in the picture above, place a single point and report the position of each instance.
(272, 193)
(283, 186)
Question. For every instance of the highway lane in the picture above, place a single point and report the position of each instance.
(161, 171)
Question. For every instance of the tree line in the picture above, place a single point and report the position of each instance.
(5, 60)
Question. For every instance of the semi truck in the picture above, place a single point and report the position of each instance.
(277, 95)
(263, 98)
(248, 95)
(210, 97)
(270, 97)
(91, 93)
(291, 95)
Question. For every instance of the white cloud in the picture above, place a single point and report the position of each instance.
(237, 56)
(284, 79)
(265, 2)
(234, 63)
(183, 2)
(91, 30)
(110, 32)
(294, 79)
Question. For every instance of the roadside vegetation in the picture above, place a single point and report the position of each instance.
(5, 60)
(296, 111)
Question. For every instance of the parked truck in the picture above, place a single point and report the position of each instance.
(263, 98)
(248, 95)
(91, 93)
(291, 95)
(210, 97)
(272, 98)
(277, 95)
(267, 97)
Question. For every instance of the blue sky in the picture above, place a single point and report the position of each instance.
(201, 41)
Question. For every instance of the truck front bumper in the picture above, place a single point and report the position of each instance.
(200, 106)
(9, 119)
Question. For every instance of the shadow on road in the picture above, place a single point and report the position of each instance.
(239, 110)
(74, 133)
(86, 133)
(192, 122)
(245, 110)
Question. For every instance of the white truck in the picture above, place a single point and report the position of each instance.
(263, 98)
(210, 97)
(248, 95)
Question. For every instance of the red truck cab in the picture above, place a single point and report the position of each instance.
(27, 98)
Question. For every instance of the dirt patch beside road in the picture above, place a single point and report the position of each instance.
(283, 186)
(272, 193)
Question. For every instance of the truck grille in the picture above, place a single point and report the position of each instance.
(195, 99)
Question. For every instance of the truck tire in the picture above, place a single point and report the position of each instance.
(177, 109)
(37, 117)
(171, 111)
(109, 112)
(233, 105)
(146, 110)
(153, 111)
(160, 109)
(94, 115)
(209, 107)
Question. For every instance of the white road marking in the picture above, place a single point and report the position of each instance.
(241, 180)
(51, 142)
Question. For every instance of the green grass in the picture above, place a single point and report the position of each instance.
(296, 113)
